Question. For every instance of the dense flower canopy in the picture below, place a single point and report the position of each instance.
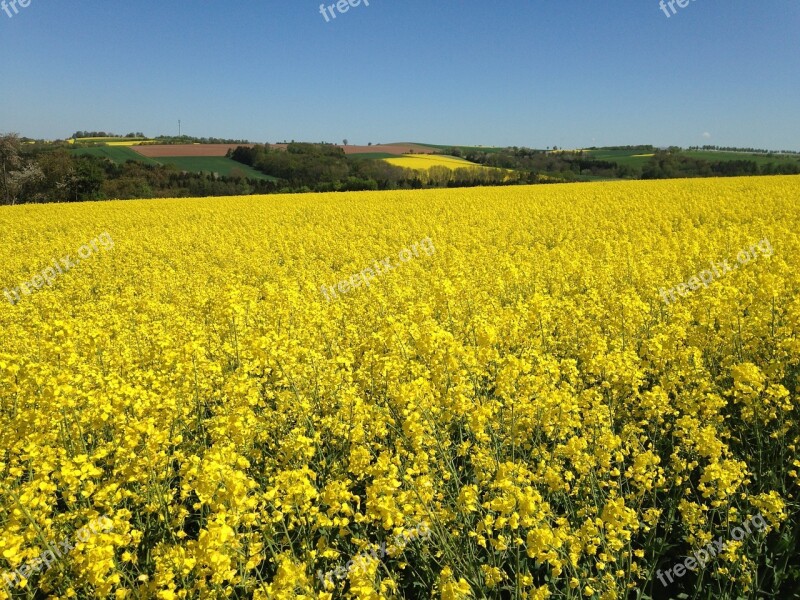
(524, 393)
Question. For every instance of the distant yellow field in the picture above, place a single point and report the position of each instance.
(130, 143)
(109, 141)
(423, 162)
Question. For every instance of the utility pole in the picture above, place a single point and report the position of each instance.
(179, 128)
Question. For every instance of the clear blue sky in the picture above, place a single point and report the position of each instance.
(533, 73)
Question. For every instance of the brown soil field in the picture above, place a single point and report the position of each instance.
(167, 150)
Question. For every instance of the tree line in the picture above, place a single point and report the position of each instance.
(664, 164)
(670, 164)
(38, 173)
(304, 167)
(103, 134)
(85, 137)
(561, 165)
(49, 172)
(748, 150)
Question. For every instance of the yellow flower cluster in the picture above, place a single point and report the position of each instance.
(426, 161)
(524, 392)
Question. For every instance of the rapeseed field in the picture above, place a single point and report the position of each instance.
(216, 398)
(426, 161)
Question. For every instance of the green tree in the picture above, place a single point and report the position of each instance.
(10, 161)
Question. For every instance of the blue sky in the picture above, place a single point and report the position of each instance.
(571, 73)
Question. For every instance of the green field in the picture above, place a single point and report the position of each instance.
(759, 159)
(621, 157)
(628, 157)
(213, 164)
(463, 148)
(226, 167)
(118, 154)
(193, 164)
(105, 140)
(374, 155)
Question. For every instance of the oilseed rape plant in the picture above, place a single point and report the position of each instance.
(427, 161)
(396, 545)
(716, 269)
(701, 556)
(381, 267)
(59, 267)
(55, 551)
(524, 393)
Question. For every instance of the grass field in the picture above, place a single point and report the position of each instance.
(760, 159)
(465, 148)
(213, 164)
(112, 141)
(193, 164)
(636, 158)
(632, 158)
(371, 155)
(118, 154)
(451, 394)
